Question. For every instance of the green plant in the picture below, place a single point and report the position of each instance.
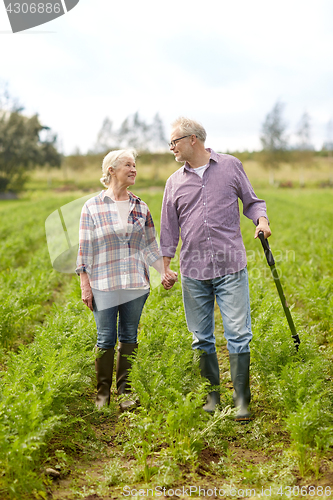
(115, 473)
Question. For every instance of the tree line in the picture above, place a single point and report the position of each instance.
(26, 143)
(134, 132)
(276, 148)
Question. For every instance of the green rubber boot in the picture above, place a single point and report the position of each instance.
(209, 368)
(123, 366)
(104, 369)
(240, 376)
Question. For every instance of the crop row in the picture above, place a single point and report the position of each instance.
(27, 281)
(169, 429)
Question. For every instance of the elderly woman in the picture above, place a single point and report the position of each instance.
(117, 244)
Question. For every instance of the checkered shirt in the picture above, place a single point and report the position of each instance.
(112, 259)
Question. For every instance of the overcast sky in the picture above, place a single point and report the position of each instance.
(222, 63)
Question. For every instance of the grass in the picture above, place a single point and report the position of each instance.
(47, 415)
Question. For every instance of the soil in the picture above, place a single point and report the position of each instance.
(85, 477)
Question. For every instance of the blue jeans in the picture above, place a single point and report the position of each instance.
(128, 315)
(232, 296)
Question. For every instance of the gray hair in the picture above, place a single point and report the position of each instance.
(190, 127)
(112, 160)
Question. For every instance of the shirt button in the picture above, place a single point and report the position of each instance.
(204, 221)
(204, 203)
(203, 185)
(207, 238)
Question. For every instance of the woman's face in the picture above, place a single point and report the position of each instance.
(125, 172)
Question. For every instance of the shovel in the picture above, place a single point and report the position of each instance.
(271, 263)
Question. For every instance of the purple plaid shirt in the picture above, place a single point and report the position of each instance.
(113, 260)
(206, 212)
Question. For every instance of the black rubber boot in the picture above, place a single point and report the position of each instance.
(240, 376)
(123, 366)
(104, 369)
(209, 368)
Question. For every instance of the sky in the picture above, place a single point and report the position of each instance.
(224, 64)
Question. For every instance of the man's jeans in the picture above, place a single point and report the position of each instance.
(232, 296)
(128, 322)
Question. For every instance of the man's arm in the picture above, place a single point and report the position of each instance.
(169, 236)
(253, 207)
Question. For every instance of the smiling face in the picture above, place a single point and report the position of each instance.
(182, 150)
(125, 172)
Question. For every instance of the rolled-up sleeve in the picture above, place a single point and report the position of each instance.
(151, 251)
(86, 234)
(169, 223)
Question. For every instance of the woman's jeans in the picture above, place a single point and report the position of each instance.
(232, 296)
(128, 314)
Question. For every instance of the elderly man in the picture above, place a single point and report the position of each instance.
(201, 200)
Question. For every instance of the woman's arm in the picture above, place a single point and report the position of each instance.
(84, 258)
(86, 292)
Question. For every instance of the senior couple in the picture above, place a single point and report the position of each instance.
(118, 244)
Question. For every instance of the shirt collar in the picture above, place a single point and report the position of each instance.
(132, 197)
(213, 156)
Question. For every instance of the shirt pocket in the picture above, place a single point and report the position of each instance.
(139, 224)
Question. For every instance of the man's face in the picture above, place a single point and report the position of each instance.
(183, 149)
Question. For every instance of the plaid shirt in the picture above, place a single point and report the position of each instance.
(114, 260)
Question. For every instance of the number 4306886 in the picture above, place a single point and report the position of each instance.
(33, 8)
(317, 491)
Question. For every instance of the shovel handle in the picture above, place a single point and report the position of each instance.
(267, 249)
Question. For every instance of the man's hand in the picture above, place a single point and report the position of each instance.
(264, 227)
(169, 278)
(86, 292)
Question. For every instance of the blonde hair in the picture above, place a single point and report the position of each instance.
(190, 127)
(112, 160)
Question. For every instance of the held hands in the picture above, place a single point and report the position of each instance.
(264, 227)
(169, 278)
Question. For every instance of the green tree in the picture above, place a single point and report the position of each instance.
(24, 144)
(274, 140)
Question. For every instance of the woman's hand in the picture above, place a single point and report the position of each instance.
(169, 278)
(86, 292)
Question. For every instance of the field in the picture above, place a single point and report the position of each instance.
(168, 447)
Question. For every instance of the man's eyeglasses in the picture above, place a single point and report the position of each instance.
(173, 143)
